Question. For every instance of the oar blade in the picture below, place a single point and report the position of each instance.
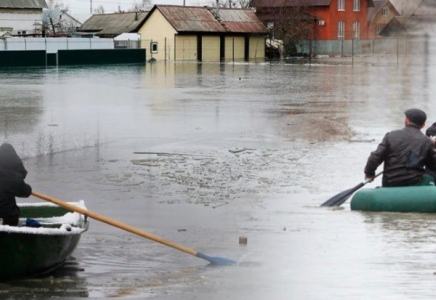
(218, 261)
(342, 197)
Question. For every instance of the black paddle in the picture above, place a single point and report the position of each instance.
(340, 198)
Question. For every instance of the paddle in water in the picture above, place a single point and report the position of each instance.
(340, 198)
(212, 259)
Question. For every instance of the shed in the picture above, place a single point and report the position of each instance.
(203, 33)
(112, 25)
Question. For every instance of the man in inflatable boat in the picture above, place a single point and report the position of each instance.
(406, 154)
(12, 175)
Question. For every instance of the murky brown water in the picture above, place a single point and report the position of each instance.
(262, 146)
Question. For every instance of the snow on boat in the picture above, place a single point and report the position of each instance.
(27, 251)
(421, 199)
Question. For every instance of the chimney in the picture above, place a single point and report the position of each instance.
(217, 13)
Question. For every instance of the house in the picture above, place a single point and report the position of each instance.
(58, 22)
(22, 17)
(332, 19)
(420, 22)
(203, 33)
(379, 16)
(112, 25)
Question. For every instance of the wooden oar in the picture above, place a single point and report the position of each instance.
(340, 198)
(90, 214)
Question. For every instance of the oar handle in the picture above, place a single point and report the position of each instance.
(115, 223)
(377, 175)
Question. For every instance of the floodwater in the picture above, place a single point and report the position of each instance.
(202, 154)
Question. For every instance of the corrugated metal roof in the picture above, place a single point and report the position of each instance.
(203, 19)
(23, 4)
(241, 21)
(191, 19)
(113, 24)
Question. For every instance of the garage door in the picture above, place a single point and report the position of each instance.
(235, 48)
(211, 48)
(186, 47)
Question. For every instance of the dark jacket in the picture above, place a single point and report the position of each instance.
(12, 174)
(405, 153)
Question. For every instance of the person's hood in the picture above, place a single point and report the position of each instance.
(10, 160)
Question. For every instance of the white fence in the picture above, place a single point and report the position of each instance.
(52, 45)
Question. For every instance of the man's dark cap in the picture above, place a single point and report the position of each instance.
(431, 131)
(416, 116)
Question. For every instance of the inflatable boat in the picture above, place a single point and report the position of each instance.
(421, 199)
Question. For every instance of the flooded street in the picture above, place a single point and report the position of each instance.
(202, 154)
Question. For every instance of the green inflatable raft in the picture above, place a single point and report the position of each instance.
(421, 199)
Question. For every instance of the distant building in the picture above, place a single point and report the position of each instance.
(420, 22)
(197, 33)
(58, 22)
(332, 19)
(21, 17)
(112, 25)
(379, 16)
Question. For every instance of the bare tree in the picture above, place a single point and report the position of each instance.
(142, 6)
(54, 18)
(99, 10)
(291, 22)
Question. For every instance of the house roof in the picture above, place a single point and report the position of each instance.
(414, 25)
(23, 4)
(284, 3)
(203, 19)
(378, 5)
(113, 24)
(57, 13)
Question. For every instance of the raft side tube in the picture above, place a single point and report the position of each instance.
(421, 199)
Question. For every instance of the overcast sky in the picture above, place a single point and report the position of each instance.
(81, 8)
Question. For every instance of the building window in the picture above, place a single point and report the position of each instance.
(356, 5)
(378, 30)
(341, 4)
(356, 30)
(341, 30)
(385, 11)
(153, 47)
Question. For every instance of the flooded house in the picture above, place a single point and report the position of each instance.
(329, 19)
(21, 17)
(203, 34)
(379, 16)
(420, 21)
(112, 25)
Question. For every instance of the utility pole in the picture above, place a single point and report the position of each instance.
(184, 2)
(90, 7)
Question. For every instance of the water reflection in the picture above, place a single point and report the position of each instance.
(63, 282)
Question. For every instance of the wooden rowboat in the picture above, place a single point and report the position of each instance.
(27, 251)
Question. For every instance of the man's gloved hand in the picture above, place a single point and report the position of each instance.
(369, 178)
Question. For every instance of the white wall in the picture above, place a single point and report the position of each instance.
(21, 21)
(52, 45)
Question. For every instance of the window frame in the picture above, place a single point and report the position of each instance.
(378, 30)
(341, 5)
(385, 9)
(356, 5)
(356, 30)
(154, 45)
(341, 30)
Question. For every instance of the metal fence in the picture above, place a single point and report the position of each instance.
(383, 51)
(52, 45)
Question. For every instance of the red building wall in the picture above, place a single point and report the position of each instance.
(331, 15)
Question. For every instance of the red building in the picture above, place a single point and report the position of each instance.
(330, 19)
